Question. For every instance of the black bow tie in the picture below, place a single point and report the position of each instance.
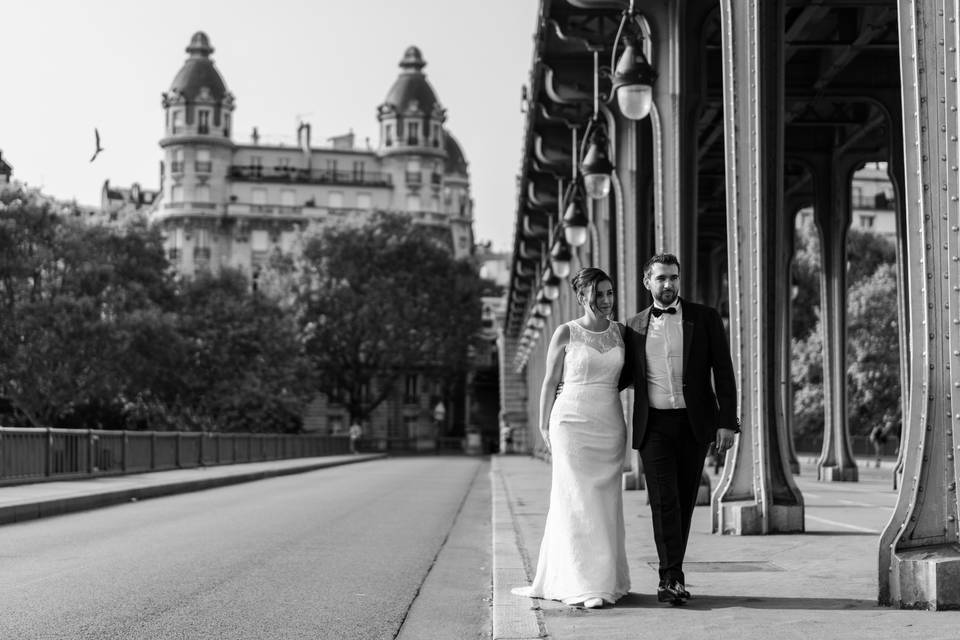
(657, 311)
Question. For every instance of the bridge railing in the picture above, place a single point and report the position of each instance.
(36, 455)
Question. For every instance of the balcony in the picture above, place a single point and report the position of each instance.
(203, 167)
(414, 177)
(294, 175)
(205, 206)
(176, 167)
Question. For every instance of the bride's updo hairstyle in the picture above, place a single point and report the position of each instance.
(585, 283)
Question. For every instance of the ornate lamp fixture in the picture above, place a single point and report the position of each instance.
(542, 306)
(632, 75)
(560, 258)
(551, 284)
(575, 220)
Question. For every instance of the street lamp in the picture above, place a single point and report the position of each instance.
(543, 305)
(596, 166)
(632, 76)
(560, 258)
(551, 284)
(439, 413)
(574, 219)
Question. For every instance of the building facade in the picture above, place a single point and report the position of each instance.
(225, 203)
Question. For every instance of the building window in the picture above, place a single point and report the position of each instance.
(364, 201)
(358, 172)
(203, 163)
(256, 166)
(202, 193)
(411, 394)
(414, 175)
(413, 202)
(177, 165)
(866, 222)
(226, 125)
(203, 121)
(288, 197)
(335, 200)
(413, 133)
(388, 135)
(177, 121)
(283, 164)
(259, 196)
(436, 135)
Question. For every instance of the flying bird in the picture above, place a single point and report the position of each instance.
(96, 135)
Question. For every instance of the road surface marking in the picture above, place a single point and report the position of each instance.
(842, 524)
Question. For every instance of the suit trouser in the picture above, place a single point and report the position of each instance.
(672, 465)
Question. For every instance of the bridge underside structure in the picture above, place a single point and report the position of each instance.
(761, 108)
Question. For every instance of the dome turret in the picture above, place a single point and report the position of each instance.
(198, 102)
(198, 73)
(411, 114)
(455, 162)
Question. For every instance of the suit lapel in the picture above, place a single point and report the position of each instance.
(688, 319)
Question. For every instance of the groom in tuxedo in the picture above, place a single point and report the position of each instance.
(685, 397)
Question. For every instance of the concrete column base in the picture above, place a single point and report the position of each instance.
(928, 578)
(837, 474)
(747, 519)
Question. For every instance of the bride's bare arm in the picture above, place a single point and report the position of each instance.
(552, 378)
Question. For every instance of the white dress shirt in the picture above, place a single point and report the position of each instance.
(665, 360)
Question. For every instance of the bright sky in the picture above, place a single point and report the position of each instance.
(72, 66)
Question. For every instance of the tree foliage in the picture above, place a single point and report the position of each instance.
(382, 300)
(96, 333)
(873, 365)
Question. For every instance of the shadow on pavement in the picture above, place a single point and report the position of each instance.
(708, 602)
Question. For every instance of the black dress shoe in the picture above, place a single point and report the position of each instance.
(673, 592)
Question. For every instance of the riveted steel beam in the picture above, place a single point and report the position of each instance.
(920, 547)
(756, 493)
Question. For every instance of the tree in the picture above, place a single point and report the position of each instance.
(873, 355)
(72, 297)
(873, 367)
(381, 300)
(245, 368)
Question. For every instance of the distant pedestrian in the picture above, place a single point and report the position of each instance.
(356, 432)
(878, 436)
(506, 437)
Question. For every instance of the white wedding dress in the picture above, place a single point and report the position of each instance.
(582, 554)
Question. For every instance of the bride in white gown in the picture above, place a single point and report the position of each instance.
(582, 558)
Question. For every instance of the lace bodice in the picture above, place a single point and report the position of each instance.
(593, 357)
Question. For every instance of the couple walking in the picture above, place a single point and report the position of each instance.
(676, 357)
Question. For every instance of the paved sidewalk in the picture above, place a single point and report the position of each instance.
(42, 499)
(821, 584)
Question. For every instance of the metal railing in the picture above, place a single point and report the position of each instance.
(35, 455)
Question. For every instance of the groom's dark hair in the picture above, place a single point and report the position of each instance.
(660, 258)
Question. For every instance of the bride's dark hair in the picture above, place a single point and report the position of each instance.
(587, 279)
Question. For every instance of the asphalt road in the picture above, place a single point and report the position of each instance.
(382, 549)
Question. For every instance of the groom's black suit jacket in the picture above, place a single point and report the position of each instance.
(711, 405)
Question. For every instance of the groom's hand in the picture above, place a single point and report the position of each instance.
(724, 440)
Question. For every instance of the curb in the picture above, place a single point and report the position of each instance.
(84, 501)
(514, 617)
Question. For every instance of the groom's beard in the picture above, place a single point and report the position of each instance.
(666, 298)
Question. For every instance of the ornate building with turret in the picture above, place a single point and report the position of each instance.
(224, 203)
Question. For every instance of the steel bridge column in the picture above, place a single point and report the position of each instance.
(832, 215)
(919, 552)
(756, 494)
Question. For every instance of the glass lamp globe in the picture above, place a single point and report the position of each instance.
(635, 100)
(597, 185)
